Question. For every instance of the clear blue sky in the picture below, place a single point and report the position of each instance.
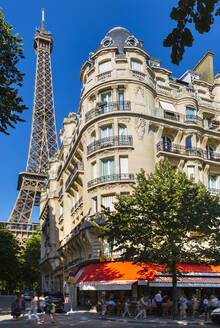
(77, 28)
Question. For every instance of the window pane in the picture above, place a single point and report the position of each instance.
(136, 66)
(190, 113)
(104, 67)
(189, 143)
(108, 201)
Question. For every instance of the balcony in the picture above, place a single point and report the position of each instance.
(61, 217)
(77, 205)
(110, 142)
(214, 191)
(109, 107)
(139, 75)
(77, 168)
(122, 177)
(104, 75)
(182, 150)
(59, 171)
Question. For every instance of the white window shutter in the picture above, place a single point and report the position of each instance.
(123, 165)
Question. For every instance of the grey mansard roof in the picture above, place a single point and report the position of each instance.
(119, 37)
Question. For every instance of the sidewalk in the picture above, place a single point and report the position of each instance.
(150, 319)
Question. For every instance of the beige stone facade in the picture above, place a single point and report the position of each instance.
(132, 113)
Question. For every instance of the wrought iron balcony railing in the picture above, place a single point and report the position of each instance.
(182, 150)
(110, 142)
(214, 191)
(107, 107)
(111, 178)
(61, 217)
(77, 205)
(60, 194)
(77, 167)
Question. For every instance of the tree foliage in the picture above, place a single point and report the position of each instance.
(9, 268)
(168, 219)
(200, 14)
(30, 258)
(11, 104)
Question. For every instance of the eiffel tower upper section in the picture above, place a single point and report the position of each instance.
(43, 141)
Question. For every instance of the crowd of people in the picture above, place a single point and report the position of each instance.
(42, 305)
(159, 305)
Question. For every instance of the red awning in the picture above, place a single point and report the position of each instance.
(115, 275)
(196, 268)
(164, 281)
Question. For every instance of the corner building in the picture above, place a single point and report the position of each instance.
(132, 113)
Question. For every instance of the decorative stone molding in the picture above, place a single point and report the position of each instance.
(140, 126)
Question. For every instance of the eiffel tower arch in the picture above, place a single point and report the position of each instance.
(43, 140)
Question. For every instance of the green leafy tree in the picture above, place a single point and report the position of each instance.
(168, 219)
(9, 267)
(11, 104)
(198, 13)
(30, 258)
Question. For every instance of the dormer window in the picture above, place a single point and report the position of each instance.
(105, 66)
(136, 65)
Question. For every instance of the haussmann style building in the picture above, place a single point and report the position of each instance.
(132, 113)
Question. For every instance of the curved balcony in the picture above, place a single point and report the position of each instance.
(78, 167)
(107, 107)
(77, 205)
(182, 150)
(110, 142)
(122, 177)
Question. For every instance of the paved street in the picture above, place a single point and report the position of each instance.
(84, 319)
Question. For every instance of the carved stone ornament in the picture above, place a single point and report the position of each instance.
(140, 126)
(140, 91)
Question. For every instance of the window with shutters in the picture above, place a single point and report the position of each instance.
(190, 114)
(121, 100)
(188, 142)
(105, 66)
(108, 201)
(123, 161)
(136, 65)
(190, 172)
(212, 183)
(108, 167)
(200, 176)
(94, 170)
(95, 205)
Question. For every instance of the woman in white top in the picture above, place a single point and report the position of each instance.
(42, 305)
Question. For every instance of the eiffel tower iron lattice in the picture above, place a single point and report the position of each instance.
(43, 141)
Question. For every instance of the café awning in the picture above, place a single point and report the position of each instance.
(195, 281)
(115, 275)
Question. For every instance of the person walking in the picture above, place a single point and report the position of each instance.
(182, 307)
(158, 301)
(16, 307)
(42, 305)
(23, 305)
(50, 309)
(141, 309)
(126, 309)
(206, 307)
(33, 310)
(103, 305)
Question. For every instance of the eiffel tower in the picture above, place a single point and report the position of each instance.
(43, 141)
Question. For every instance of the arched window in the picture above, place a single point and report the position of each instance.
(209, 152)
(167, 143)
(188, 142)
